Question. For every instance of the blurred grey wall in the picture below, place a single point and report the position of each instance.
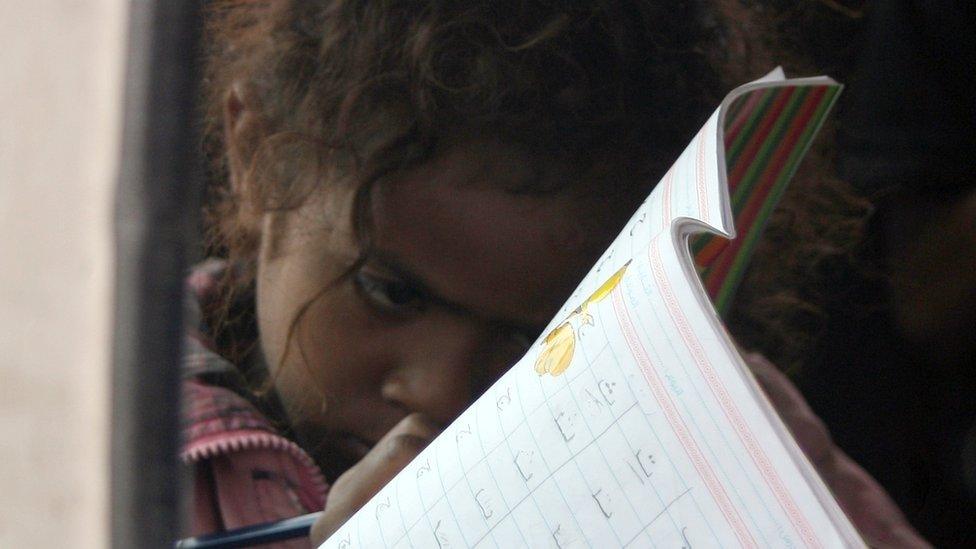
(61, 66)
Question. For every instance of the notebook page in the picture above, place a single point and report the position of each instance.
(632, 422)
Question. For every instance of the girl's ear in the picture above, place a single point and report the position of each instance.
(242, 132)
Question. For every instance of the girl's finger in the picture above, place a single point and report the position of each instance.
(867, 504)
(360, 483)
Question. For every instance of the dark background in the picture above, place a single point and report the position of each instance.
(903, 405)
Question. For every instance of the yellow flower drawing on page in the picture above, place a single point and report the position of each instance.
(559, 344)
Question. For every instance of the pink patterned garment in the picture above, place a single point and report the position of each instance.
(245, 471)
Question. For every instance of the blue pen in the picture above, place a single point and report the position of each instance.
(253, 535)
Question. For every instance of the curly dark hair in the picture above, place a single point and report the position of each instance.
(375, 87)
(368, 88)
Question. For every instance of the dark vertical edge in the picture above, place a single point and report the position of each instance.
(156, 209)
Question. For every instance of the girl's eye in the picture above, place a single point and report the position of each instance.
(389, 294)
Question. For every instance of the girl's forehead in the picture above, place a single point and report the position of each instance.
(455, 224)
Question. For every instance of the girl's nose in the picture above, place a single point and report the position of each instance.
(438, 367)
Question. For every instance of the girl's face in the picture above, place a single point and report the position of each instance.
(463, 276)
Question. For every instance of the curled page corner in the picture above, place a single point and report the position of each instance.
(763, 130)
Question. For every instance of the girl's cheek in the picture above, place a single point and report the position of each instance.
(345, 343)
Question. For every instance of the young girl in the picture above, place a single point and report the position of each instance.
(409, 189)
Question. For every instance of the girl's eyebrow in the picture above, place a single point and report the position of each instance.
(389, 262)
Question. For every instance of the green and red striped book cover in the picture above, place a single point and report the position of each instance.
(767, 133)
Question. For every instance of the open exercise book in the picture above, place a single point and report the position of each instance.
(633, 421)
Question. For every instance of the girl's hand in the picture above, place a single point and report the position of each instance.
(866, 503)
(357, 485)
